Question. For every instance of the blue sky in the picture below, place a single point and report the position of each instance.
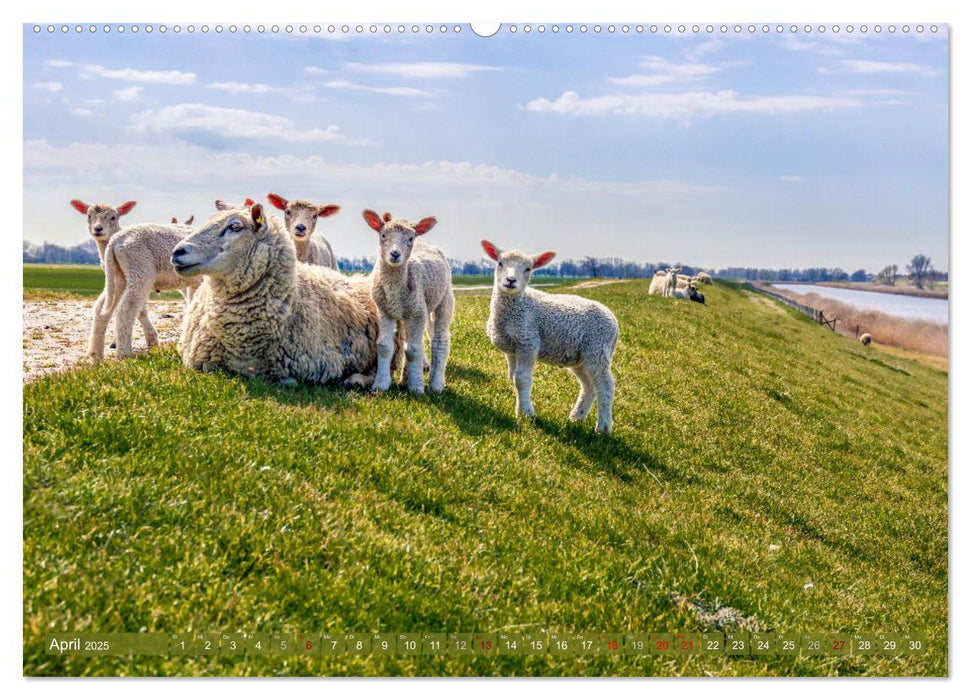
(778, 150)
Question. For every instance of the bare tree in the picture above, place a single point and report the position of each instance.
(594, 265)
(920, 269)
(888, 275)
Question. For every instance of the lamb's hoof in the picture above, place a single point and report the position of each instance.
(288, 382)
(577, 417)
(417, 389)
(377, 387)
(436, 387)
(604, 429)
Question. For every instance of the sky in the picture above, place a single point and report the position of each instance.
(714, 150)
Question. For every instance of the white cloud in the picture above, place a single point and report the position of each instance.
(684, 106)
(793, 43)
(132, 75)
(664, 72)
(244, 88)
(705, 47)
(864, 67)
(393, 91)
(227, 124)
(314, 70)
(81, 112)
(877, 92)
(791, 178)
(421, 70)
(128, 94)
(51, 86)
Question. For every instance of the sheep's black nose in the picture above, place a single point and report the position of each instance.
(98, 229)
(301, 228)
(395, 255)
(510, 279)
(178, 252)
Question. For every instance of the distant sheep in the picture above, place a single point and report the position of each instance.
(300, 217)
(259, 312)
(564, 330)
(866, 339)
(671, 281)
(412, 284)
(691, 293)
(704, 278)
(135, 261)
(659, 283)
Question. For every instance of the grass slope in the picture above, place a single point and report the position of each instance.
(164, 500)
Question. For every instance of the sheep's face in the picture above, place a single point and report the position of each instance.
(514, 269)
(396, 236)
(103, 219)
(222, 245)
(300, 216)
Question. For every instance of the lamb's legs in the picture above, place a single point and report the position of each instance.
(398, 359)
(511, 361)
(415, 354)
(523, 378)
(151, 335)
(131, 304)
(96, 342)
(603, 381)
(587, 394)
(386, 328)
(441, 343)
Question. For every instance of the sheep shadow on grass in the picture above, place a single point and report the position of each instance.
(609, 453)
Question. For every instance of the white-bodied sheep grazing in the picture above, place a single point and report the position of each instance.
(261, 313)
(411, 284)
(866, 339)
(559, 329)
(136, 261)
(300, 217)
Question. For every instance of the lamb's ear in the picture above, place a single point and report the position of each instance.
(277, 201)
(372, 219)
(174, 220)
(425, 225)
(543, 259)
(125, 208)
(79, 205)
(491, 250)
(259, 218)
(188, 222)
(387, 216)
(328, 210)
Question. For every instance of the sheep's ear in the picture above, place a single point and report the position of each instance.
(491, 250)
(277, 201)
(387, 216)
(543, 259)
(79, 205)
(190, 220)
(125, 208)
(221, 205)
(372, 219)
(425, 225)
(328, 210)
(259, 218)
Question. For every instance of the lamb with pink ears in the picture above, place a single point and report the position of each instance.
(300, 218)
(564, 330)
(412, 287)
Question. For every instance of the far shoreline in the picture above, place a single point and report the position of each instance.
(905, 290)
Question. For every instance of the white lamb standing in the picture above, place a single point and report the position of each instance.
(564, 330)
(136, 261)
(300, 217)
(259, 312)
(671, 281)
(411, 285)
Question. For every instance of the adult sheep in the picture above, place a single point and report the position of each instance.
(258, 312)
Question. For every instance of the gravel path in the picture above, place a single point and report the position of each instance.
(56, 333)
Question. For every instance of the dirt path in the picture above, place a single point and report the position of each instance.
(56, 332)
(594, 283)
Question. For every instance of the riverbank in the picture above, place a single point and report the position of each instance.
(903, 289)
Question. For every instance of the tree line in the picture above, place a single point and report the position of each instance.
(919, 270)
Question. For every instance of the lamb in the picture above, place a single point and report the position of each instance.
(671, 281)
(559, 329)
(135, 261)
(411, 285)
(301, 217)
(258, 312)
(866, 339)
(658, 283)
(689, 292)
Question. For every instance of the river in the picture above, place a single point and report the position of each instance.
(893, 304)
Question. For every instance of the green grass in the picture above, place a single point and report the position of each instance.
(165, 500)
(87, 281)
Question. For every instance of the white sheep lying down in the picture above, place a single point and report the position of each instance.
(564, 330)
(259, 312)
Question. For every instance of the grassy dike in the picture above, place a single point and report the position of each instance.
(754, 454)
